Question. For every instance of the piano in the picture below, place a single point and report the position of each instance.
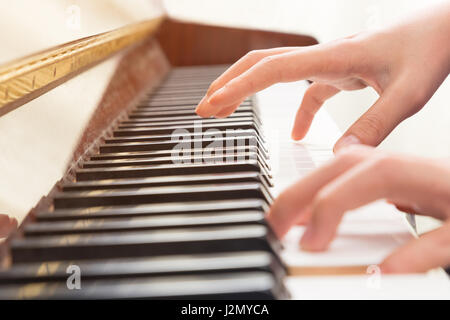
(158, 203)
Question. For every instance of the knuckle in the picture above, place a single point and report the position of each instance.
(269, 60)
(253, 54)
(419, 97)
(271, 68)
(248, 83)
(314, 98)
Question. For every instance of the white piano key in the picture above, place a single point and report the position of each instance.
(366, 235)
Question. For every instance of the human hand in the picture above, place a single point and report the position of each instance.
(404, 63)
(360, 175)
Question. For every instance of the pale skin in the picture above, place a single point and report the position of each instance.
(405, 64)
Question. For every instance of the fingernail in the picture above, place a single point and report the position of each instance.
(346, 141)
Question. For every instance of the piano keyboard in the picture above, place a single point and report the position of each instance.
(169, 206)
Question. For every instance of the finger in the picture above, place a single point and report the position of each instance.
(228, 110)
(313, 99)
(304, 217)
(243, 64)
(204, 109)
(357, 186)
(389, 110)
(284, 67)
(376, 178)
(430, 251)
(290, 206)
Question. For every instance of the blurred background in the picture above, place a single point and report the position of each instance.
(36, 141)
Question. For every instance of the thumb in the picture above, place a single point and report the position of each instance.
(430, 251)
(375, 124)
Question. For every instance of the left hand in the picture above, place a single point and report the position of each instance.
(360, 175)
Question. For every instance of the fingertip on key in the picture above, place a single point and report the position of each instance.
(203, 109)
(296, 136)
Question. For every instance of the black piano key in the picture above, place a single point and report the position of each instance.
(152, 209)
(199, 122)
(183, 134)
(180, 92)
(190, 120)
(239, 285)
(199, 90)
(170, 97)
(169, 153)
(142, 108)
(226, 218)
(181, 82)
(116, 225)
(158, 130)
(183, 160)
(82, 199)
(144, 105)
(171, 94)
(145, 267)
(183, 144)
(179, 86)
(171, 102)
(193, 75)
(142, 118)
(190, 78)
(163, 181)
(188, 109)
(230, 157)
(164, 170)
(144, 243)
(150, 113)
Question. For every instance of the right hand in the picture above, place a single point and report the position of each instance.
(359, 175)
(405, 64)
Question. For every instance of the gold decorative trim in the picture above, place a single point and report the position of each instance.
(27, 78)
